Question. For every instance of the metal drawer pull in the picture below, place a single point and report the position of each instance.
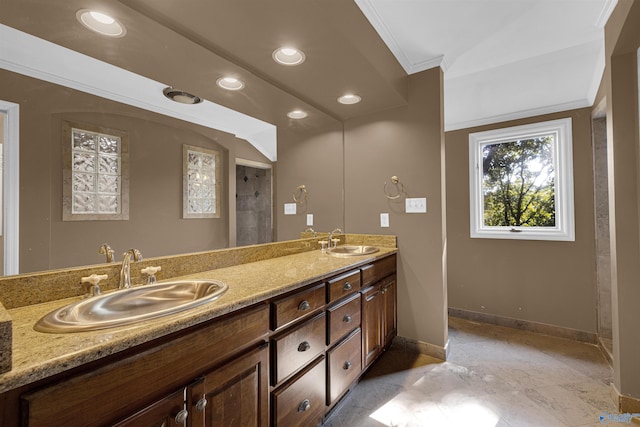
(347, 286)
(346, 318)
(304, 346)
(181, 417)
(304, 406)
(304, 305)
(202, 403)
(347, 365)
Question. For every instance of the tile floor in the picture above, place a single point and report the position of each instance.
(495, 377)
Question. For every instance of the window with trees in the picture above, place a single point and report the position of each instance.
(521, 182)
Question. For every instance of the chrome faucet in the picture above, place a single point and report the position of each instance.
(125, 272)
(331, 244)
(311, 230)
(105, 249)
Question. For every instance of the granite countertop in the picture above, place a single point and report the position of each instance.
(38, 355)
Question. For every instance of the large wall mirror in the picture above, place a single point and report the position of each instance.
(156, 224)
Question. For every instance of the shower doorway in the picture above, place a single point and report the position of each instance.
(254, 207)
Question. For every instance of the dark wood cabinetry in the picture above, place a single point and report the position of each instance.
(301, 401)
(372, 306)
(379, 309)
(344, 365)
(389, 291)
(284, 362)
(297, 347)
(141, 381)
(343, 318)
(168, 412)
(234, 394)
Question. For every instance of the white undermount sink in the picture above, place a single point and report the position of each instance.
(129, 306)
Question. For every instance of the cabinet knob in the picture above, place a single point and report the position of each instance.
(346, 318)
(347, 286)
(304, 305)
(181, 417)
(304, 346)
(304, 406)
(347, 365)
(202, 403)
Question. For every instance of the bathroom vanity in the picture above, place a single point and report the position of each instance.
(281, 348)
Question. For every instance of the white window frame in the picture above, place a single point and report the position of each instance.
(563, 166)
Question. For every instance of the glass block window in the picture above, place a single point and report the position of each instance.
(201, 182)
(95, 173)
(94, 176)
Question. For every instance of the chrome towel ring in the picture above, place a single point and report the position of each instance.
(399, 188)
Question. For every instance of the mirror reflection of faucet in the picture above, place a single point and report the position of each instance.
(105, 249)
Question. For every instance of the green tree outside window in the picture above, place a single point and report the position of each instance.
(518, 183)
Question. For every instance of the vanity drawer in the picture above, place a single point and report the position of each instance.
(378, 270)
(302, 402)
(298, 347)
(295, 306)
(344, 285)
(343, 318)
(344, 365)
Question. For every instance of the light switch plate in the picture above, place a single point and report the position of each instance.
(309, 220)
(416, 205)
(384, 220)
(289, 208)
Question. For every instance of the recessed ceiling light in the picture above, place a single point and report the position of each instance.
(230, 83)
(349, 99)
(297, 114)
(288, 56)
(101, 23)
(181, 96)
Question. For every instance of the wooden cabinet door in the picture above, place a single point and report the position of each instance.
(168, 412)
(236, 394)
(389, 292)
(371, 324)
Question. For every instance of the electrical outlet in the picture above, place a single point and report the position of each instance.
(415, 205)
(384, 220)
(309, 220)
(289, 208)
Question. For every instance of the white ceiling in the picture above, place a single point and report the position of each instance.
(502, 59)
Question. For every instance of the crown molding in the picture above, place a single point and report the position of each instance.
(522, 114)
(606, 11)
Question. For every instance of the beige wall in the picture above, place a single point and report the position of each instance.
(624, 194)
(540, 281)
(345, 170)
(314, 159)
(406, 142)
(155, 224)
